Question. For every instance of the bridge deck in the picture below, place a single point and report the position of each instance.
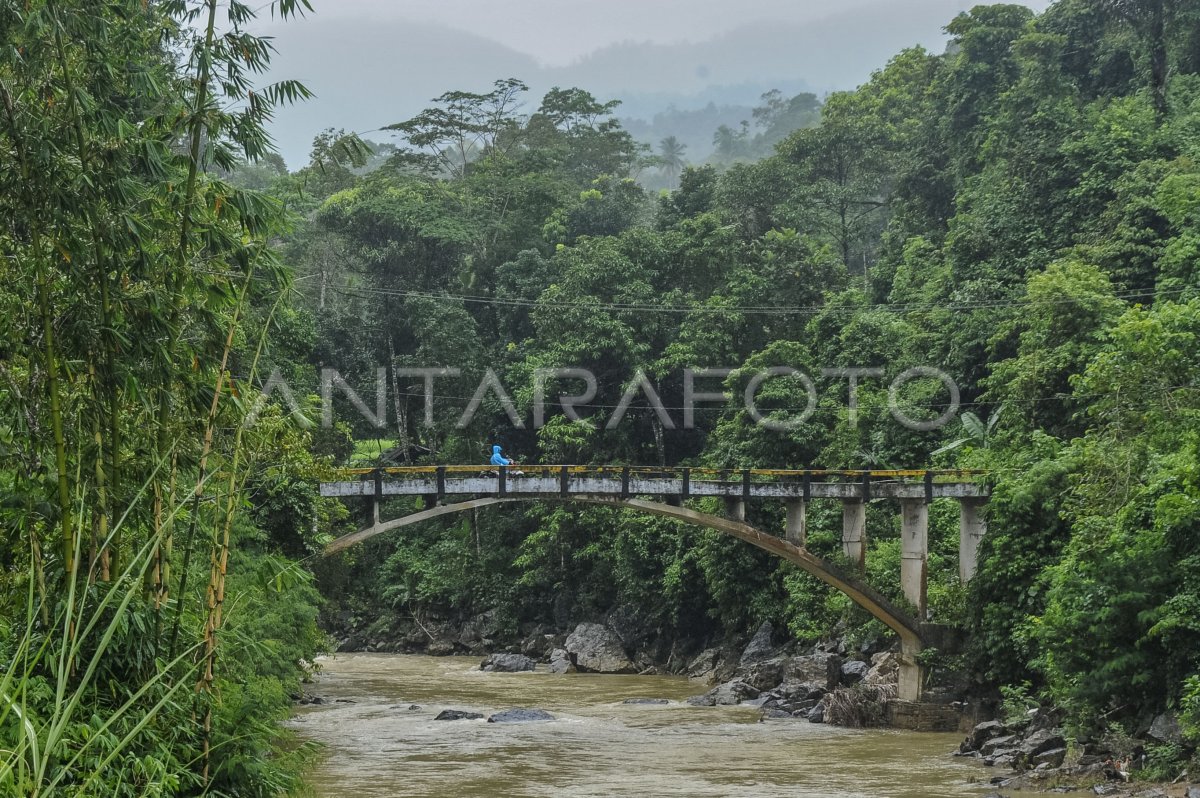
(625, 481)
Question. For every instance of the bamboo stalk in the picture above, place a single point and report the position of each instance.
(49, 348)
(215, 594)
(195, 134)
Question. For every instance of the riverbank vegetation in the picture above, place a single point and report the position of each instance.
(1019, 212)
(151, 629)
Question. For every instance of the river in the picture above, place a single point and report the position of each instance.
(386, 743)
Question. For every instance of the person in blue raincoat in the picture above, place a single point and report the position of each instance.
(499, 459)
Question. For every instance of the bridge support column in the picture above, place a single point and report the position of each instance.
(911, 678)
(854, 532)
(735, 509)
(914, 552)
(972, 526)
(794, 528)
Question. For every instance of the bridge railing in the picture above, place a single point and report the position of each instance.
(712, 474)
(685, 482)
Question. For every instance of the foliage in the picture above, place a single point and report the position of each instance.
(1015, 704)
(137, 282)
(1019, 212)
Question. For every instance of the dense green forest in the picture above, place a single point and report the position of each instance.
(1020, 212)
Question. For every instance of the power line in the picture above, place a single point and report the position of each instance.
(714, 407)
(770, 310)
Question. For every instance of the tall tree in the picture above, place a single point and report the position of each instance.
(670, 155)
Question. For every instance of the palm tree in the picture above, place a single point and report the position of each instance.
(670, 154)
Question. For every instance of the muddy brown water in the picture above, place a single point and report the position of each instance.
(596, 746)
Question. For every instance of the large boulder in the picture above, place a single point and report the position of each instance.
(763, 674)
(771, 713)
(1053, 758)
(1035, 744)
(853, 672)
(507, 663)
(983, 732)
(704, 664)
(822, 668)
(799, 691)
(997, 744)
(1165, 729)
(817, 714)
(727, 694)
(520, 716)
(560, 661)
(597, 649)
(885, 669)
(760, 646)
(457, 714)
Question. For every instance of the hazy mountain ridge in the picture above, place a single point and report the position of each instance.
(371, 73)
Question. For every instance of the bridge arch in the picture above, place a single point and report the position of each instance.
(904, 625)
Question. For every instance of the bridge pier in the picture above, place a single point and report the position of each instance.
(972, 526)
(911, 676)
(735, 509)
(795, 531)
(854, 532)
(914, 552)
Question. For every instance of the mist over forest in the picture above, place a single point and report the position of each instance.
(370, 65)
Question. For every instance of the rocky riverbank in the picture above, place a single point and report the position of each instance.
(1035, 754)
(830, 683)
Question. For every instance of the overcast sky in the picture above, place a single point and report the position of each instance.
(557, 32)
(375, 62)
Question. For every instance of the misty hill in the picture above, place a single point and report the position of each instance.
(369, 74)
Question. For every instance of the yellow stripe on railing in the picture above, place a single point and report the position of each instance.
(717, 474)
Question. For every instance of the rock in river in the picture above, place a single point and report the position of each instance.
(760, 647)
(560, 662)
(508, 663)
(458, 714)
(520, 716)
(597, 649)
(723, 695)
(821, 668)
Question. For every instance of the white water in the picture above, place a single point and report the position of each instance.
(596, 746)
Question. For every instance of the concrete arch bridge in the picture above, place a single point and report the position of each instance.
(665, 491)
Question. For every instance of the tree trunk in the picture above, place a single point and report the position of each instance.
(1158, 58)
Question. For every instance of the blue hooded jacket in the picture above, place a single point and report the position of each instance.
(499, 459)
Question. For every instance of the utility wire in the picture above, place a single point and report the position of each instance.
(714, 407)
(771, 310)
